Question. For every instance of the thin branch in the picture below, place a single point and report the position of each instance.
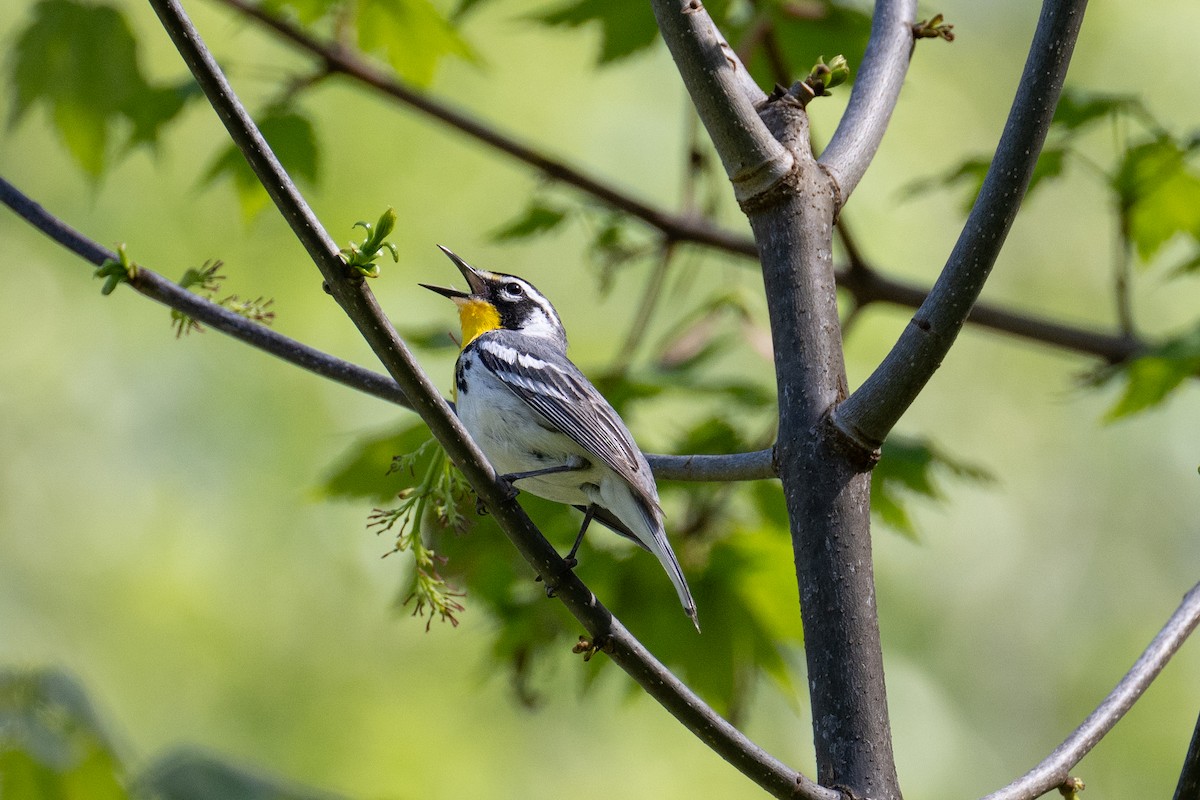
(157, 287)
(342, 60)
(358, 302)
(876, 90)
(867, 416)
(867, 285)
(725, 97)
(758, 465)
(1188, 787)
(1053, 770)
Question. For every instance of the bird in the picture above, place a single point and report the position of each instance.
(542, 424)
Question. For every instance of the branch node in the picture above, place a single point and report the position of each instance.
(863, 450)
(933, 28)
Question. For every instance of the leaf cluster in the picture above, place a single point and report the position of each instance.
(1152, 180)
(53, 744)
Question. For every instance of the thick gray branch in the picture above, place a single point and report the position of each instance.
(875, 407)
(725, 98)
(359, 304)
(876, 90)
(1052, 771)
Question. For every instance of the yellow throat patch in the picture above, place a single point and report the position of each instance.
(477, 318)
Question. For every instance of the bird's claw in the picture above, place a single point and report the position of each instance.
(506, 485)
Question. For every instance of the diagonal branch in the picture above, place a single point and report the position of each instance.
(359, 303)
(1053, 770)
(876, 90)
(867, 285)
(867, 416)
(725, 97)
(155, 286)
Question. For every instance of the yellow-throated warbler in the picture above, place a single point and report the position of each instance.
(542, 423)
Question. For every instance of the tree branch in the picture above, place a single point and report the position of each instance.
(867, 285)
(359, 303)
(155, 286)
(725, 97)
(757, 465)
(876, 90)
(1053, 770)
(867, 416)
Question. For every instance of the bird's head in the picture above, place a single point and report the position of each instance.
(498, 301)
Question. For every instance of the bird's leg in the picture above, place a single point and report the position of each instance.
(570, 560)
(572, 464)
(573, 562)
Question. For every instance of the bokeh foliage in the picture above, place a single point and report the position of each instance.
(732, 541)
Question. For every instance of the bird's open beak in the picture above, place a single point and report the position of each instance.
(474, 279)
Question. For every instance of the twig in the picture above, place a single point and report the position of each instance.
(157, 287)
(1053, 770)
(867, 416)
(876, 90)
(359, 304)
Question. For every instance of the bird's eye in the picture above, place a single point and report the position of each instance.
(514, 289)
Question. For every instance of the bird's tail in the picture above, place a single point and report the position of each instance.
(656, 542)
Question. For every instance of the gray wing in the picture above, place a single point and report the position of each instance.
(556, 389)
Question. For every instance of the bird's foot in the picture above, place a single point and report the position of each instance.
(505, 482)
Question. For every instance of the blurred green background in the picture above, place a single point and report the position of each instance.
(163, 537)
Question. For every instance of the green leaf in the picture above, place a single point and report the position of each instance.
(1077, 109)
(805, 32)
(305, 12)
(190, 775)
(412, 35)
(294, 142)
(971, 173)
(51, 742)
(626, 26)
(80, 61)
(907, 468)
(1161, 194)
(538, 218)
(1151, 378)
(365, 469)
